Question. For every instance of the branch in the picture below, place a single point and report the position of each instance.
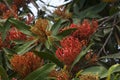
(9, 7)
(105, 42)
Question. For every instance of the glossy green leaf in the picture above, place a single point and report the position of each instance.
(92, 11)
(21, 26)
(65, 33)
(75, 79)
(1, 56)
(111, 70)
(112, 56)
(3, 73)
(113, 10)
(5, 29)
(98, 70)
(25, 47)
(78, 6)
(55, 28)
(41, 73)
(50, 57)
(8, 52)
(82, 53)
(1, 28)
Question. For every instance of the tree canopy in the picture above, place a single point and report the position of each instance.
(76, 40)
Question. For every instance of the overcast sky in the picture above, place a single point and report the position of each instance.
(50, 2)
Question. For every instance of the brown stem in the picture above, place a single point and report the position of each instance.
(9, 7)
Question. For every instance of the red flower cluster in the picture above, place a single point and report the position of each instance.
(15, 34)
(3, 7)
(6, 13)
(71, 47)
(85, 29)
(24, 64)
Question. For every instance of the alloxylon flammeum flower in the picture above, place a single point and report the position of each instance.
(60, 75)
(15, 34)
(40, 29)
(91, 57)
(89, 77)
(3, 7)
(85, 29)
(71, 47)
(24, 64)
(62, 12)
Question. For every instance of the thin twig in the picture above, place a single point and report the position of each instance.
(109, 27)
(101, 19)
(106, 21)
(35, 5)
(105, 42)
(9, 7)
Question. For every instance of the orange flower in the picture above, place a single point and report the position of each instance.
(8, 13)
(62, 12)
(89, 77)
(71, 47)
(60, 75)
(24, 64)
(3, 7)
(15, 34)
(85, 29)
(91, 57)
(40, 29)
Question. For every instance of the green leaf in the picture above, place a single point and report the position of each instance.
(1, 28)
(41, 73)
(75, 79)
(82, 53)
(99, 70)
(3, 73)
(81, 3)
(65, 33)
(50, 57)
(113, 56)
(55, 28)
(107, 31)
(113, 10)
(25, 47)
(1, 58)
(78, 5)
(92, 11)
(111, 70)
(21, 26)
(8, 52)
(5, 29)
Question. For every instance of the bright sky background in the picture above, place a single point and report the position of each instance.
(50, 2)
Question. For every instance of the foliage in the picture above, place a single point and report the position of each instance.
(80, 40)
